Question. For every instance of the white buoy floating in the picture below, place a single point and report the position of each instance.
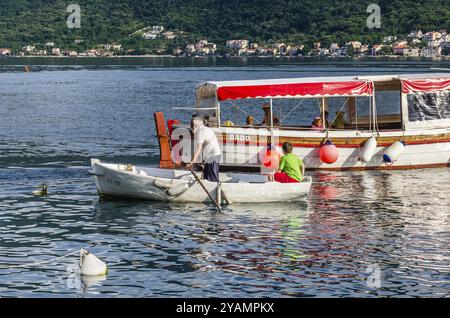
(369, 150)
(394, 152)
(90, 265)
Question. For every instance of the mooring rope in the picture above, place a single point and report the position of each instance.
(77, 251)
(40, 263)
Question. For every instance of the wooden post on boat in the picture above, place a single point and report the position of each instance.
(165, 151)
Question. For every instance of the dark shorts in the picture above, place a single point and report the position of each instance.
(211, 172)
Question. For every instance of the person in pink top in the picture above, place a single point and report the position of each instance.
(317, 124)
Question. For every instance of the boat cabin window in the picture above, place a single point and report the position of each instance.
(428, 106)
(388, 106)
(290, 112)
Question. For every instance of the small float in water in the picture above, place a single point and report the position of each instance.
(91, 265)
(170, 185)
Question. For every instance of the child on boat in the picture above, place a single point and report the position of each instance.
(291, 168)
(317, 124)
(250, 121)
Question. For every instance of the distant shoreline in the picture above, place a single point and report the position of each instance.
(445, 57)
(32, 63)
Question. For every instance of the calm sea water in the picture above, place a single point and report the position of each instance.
(354, 226)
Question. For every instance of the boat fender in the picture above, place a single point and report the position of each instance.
(178, 189)
(163, 183)
(329, 153)
(369, 150)
(394, 152)
(270, 157)
(90, 265)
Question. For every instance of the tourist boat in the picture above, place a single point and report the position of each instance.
(168, 185)
(391, 122)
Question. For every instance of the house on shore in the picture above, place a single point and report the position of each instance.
(237, 44)
(5, 52)
(56, 51)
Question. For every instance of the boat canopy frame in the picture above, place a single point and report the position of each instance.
(209, 95)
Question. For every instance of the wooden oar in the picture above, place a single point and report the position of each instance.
(204, 188)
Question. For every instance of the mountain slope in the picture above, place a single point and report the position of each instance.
(37, 21)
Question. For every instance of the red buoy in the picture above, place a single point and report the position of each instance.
(329, 153)
(270, 158)
(170, 124)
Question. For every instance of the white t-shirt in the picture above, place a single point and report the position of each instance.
(211, 149)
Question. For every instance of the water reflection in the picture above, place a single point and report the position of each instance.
(321, 247)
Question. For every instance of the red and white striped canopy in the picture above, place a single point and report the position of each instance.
(425, 85)
(289, 88)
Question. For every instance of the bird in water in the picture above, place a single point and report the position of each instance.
(42, 192)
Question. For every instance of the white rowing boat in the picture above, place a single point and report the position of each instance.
(147, 183)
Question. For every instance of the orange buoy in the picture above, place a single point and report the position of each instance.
(329, 153)
(270, 158)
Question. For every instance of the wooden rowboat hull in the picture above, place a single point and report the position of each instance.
(146, 183)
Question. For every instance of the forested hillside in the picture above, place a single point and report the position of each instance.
(37, 21)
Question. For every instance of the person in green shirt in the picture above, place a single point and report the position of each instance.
(291, 168)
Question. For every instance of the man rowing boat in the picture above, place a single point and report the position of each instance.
(207, 146)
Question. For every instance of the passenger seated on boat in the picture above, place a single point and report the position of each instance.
(339, 122)
(267, 116)
(249, 121)
(291, 168)
(206, 143)
(317, 124)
